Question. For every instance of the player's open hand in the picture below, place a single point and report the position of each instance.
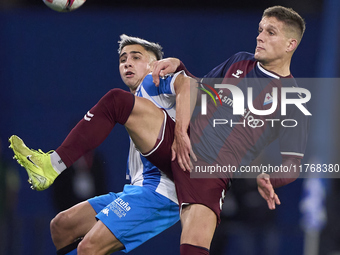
(266, 190)
(164, 67)
(181, 148)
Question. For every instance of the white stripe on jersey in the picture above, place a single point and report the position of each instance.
(267, 72)
(140, 173)
(292, 154)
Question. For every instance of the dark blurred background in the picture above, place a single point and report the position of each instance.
(307, 6)
(55, 66)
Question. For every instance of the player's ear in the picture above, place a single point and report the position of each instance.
(152, 60)
(291, 45)
(152, 63)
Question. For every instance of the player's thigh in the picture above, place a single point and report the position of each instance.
(99, 240)
(144, 124)
(198, 225)
(138, 214)
(75, 221)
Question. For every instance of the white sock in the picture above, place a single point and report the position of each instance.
(57, 162)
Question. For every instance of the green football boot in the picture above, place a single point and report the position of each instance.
(41, 173)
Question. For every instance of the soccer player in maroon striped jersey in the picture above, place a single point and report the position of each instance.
(280, 32)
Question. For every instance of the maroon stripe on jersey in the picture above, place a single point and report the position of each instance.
(242, 139)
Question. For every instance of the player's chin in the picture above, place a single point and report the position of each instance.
(131, 85)
(260, 58)
(128, 82)
(257, 56)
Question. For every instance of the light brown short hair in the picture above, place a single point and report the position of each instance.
(151, 47)
(290, 17)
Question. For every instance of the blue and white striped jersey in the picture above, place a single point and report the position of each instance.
(139, 170)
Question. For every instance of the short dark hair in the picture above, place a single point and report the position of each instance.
(287, 15)
(154, 48)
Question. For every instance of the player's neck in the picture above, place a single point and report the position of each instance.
(279, 67)
(134, 89)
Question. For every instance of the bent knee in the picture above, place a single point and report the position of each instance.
(58, 222)
(59, 227)
(85, 247)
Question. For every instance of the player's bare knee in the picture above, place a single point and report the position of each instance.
(194, 230)
(91, 245)
(84, 247)
(58, 227)
(87, 246)
(58, 222)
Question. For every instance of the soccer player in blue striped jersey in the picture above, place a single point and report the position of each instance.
(149, 205)
(146, 207)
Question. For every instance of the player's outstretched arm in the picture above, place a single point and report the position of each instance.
(164, 67)
(186, 94)
(266, 190)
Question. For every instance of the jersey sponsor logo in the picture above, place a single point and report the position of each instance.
(268, 99)
(88, 116)
(237, 74)
(120, 207)
(123, 204)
